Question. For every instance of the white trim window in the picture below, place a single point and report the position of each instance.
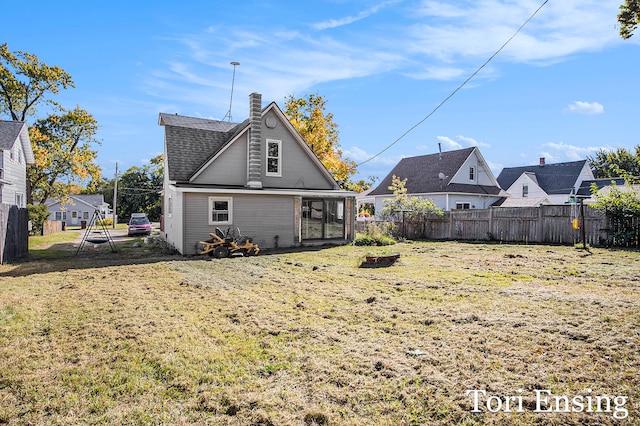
(472, 173)
(220, 210)
(274, 158)
(525, 190)
(462, 206)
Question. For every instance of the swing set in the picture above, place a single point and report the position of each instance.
(97, 233)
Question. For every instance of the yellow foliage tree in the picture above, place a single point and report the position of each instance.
(63, 155)
(307, 115)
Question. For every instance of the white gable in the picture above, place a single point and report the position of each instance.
(475, 171)
(533, 190)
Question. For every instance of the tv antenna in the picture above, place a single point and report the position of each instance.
(233, 79)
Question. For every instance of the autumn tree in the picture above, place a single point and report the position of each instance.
(308, 117)
(629, 18)
(408, 209)
(62, 140)
(615, 163)
(63, 155)
(25, 82)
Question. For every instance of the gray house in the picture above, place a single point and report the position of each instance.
(543, 183)
(459, 179)
(259, 176)
(77, 208)
(15, 153)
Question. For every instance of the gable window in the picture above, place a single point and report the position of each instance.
(274, 158)
(472, 173)
(525, 190)
(462, 206)
(220, 210)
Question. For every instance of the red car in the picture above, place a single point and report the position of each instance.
(139, 224)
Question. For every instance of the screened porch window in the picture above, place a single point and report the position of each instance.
(322, 218)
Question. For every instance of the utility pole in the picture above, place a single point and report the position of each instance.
(115, 197)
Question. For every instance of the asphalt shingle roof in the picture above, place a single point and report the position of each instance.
(9, 132)
(191, 142)
(558, 178)
(585, 186)
(423, 174)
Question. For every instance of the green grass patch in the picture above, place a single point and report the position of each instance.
(309, 337)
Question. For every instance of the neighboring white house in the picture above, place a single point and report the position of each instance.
(459, 179)
(77, 208)
(15, 154)
(258, 175)
(543, 183)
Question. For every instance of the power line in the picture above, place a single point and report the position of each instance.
(460, 86)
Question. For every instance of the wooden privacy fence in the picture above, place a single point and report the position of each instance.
(52, 227)
(545, 224)
(14, 232)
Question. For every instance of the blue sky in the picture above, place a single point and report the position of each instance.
(564, 87)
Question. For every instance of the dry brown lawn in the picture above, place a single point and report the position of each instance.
(141, 337)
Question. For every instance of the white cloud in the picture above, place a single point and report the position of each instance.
(588, 108)
(448, 142)
(460, 142)
(335, 23)
(359, 155)
(561, 151)
(496, 168)
(438, 73)
(472, 142)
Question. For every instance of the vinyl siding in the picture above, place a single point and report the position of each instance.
(16, 173)
(173, 226)
(298, 169)
(257, 216)
(229, 168)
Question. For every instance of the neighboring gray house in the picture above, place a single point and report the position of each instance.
(459, 179)
(543, 183)
(15, 153)
(259, 176)
(77, 208)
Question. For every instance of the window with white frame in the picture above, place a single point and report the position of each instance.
(220, 210)
(85, 215)
(472, 173)
(274, 158)
(19, 200)
(58, 216)
(462, 206)
(525, 190)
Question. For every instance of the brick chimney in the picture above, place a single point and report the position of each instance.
(541, 161)
(255, 140)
